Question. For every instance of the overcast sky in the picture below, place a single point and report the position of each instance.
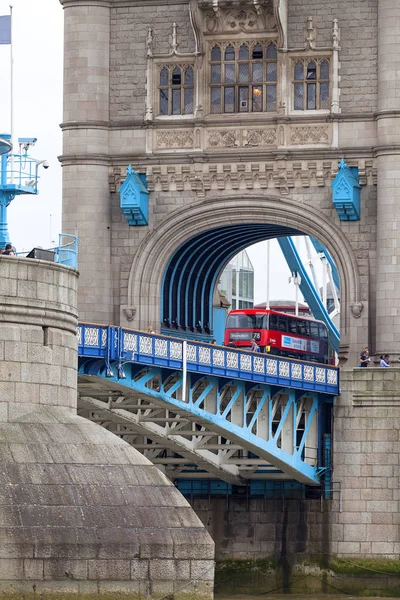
(38, 64)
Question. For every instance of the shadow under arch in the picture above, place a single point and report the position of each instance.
(156, 250)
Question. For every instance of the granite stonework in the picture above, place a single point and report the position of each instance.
(81, 511)
(365, 510)
(205, 170)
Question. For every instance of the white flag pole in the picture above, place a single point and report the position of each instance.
(11, 93)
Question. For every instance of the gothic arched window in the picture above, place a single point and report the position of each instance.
(311, 84)
(176, 90)
(243, 77)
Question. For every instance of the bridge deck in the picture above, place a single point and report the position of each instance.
(206, 411)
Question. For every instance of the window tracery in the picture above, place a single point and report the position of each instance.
(243, 77)
(311, 84)
(176, 89)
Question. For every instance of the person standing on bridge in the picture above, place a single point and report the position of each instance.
(150, 329)
(364, 358)
(254, 346)
(385, 361)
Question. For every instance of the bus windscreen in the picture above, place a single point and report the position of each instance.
(243, 321)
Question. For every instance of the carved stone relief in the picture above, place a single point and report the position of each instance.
(278, 175)
(310, 134)
(174, 139)
(219, 16)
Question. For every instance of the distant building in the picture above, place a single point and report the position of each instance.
(286, 306)
(237, 281)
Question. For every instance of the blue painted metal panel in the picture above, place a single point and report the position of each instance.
(307, 289)
(66, 252)
(134, 198)
(124, 345)
(346, 193)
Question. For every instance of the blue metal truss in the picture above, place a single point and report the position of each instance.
(232, 414)
(310, 294)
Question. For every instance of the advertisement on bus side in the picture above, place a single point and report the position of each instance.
(299, 344)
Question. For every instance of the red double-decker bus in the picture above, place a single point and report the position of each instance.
(278, 333)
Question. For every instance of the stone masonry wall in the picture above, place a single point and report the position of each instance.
(129, 26)
(358, 42)
(81, 511)
(366, 458)
(254, 528)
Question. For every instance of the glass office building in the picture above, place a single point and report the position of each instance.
(237, 281)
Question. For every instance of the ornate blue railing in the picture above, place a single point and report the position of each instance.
(118, 346)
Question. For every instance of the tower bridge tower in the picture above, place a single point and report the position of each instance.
(234, 119)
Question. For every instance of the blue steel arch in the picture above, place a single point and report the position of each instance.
(190, 277)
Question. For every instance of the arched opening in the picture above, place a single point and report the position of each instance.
(191, 275)
(165, 249)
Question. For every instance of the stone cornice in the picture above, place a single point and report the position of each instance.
(387, 149)
(225, 122)
(84, 159)
(387, 114)
(68, 125)
(79, 3)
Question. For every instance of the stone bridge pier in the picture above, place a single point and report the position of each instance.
(81, 511)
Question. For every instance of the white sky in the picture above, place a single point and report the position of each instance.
(38, 69)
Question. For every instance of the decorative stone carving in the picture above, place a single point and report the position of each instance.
(174, 139)
(272, 175)
(336, 35)
(242, 138)
(356, 309)
(261, 137)
(310, 134)
(223, 139)
(129, 312)
(249, 17)
(310, 35)
(114, 178)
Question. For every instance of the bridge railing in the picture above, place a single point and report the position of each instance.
(121, 346)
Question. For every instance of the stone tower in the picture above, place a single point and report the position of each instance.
(80, 510)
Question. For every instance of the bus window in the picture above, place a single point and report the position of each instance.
(323, 334)
(302, 328)
(283, 324)
(273, 322)
(245, 321)
(314, 333)
(292, 326)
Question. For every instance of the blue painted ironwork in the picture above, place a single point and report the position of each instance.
(121, 346)
(328, 465)
(18, 175)
(346, 192)
(307, 289)
(322, 250)
(5, 144)
(66, 253)
(190, 277)
(134, 198)
(260, 404)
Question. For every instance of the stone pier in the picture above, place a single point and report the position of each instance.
(81, 511)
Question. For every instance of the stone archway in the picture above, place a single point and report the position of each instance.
(149, 265)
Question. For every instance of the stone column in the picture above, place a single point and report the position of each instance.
(388, 164)
(81, 512)
(86, 197)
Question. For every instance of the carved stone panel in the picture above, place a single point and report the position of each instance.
(174, 139)
(309, 135)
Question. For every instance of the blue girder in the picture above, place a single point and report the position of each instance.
(308, 290)
(267, 405)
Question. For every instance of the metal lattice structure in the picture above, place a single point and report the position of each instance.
(201, 410)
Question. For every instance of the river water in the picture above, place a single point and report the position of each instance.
(298, 597)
